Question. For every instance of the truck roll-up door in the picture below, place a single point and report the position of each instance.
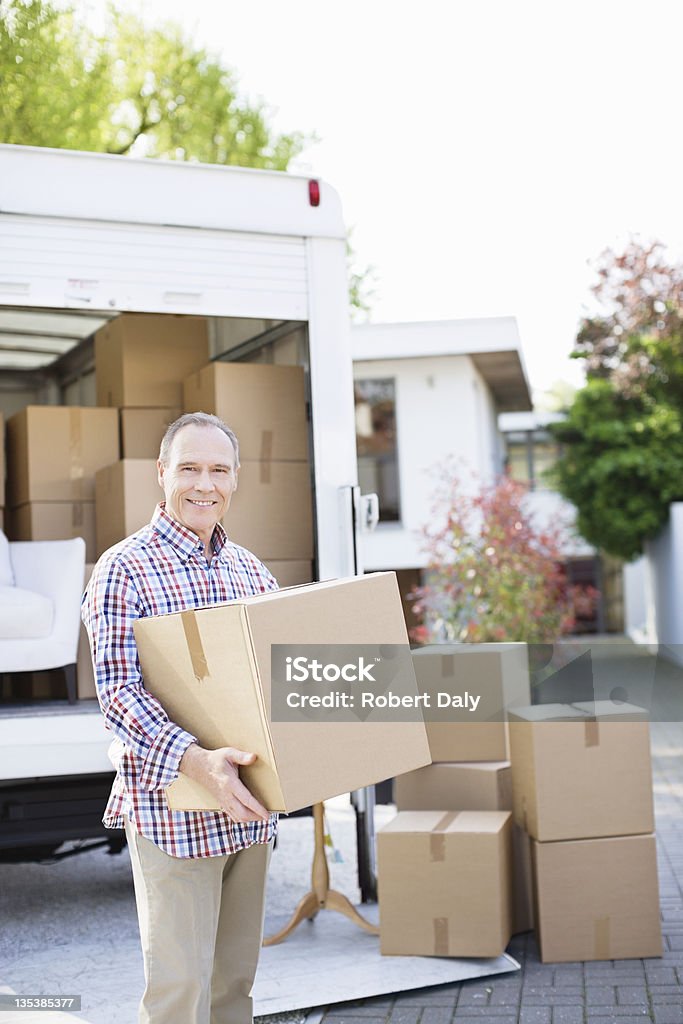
(66, 263)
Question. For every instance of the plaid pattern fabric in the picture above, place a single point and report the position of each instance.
(158, 570)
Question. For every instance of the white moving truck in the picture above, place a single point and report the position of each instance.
(86, 237)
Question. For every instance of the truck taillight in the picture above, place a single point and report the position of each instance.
(314, 192)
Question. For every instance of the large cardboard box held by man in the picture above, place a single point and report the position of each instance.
(54, 451)
(444, 883)
(581, 772)
(211, 671)
(597, 899)
(142, 359)
(234, 391)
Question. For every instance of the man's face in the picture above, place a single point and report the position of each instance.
(199, 479)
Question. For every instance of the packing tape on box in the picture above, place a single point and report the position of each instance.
(266, 456)
(437, 838)
(601, 938)
(591, 733)
(200, 666)
(447, 666)
(76, 468)
(440, 936)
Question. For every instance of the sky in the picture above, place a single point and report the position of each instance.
(485, 151)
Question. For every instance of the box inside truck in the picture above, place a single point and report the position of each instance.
(78, 463)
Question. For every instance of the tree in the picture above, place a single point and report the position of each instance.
(622, 463)
(135, 89)
(362, 283)
(492, 574)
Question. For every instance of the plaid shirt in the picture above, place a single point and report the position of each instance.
(158, 570)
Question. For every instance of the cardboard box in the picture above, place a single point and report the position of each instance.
(577, 777)
(597, 899)
(474, 786)
(54, 451)
(444, 883)
(522, 881)
(292, 573)
(497, 672)
(55, 520)
(142, 431)
(127, 494)
(142, 359)
(211, 670)
(264, 404)
(271, 513)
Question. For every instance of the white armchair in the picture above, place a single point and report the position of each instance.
(41, 584)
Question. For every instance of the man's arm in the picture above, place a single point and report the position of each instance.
(110, 607)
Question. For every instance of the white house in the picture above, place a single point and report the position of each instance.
(424, 392)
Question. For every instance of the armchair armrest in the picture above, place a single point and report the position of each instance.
(55, 569)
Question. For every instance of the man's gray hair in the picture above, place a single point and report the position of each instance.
(197, 419)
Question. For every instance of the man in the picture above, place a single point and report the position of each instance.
(199, 876)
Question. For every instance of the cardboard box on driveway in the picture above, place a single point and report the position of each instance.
(581, 772)
(474, 786)
(444, 883)
(597, 899)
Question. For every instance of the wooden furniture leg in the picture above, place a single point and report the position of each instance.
(320, 897)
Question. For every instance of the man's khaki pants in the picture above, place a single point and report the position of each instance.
(201, 927)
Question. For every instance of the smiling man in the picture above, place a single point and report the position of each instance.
(199, 876)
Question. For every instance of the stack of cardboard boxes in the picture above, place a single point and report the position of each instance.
(151, 368)
(271, 513)
(453, 844)
(91, 472)
(212, 671)
(53, 455)
(582, 790)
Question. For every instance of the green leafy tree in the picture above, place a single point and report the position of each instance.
(54, 77)
(135, 89)
(622, 462)
(140, 89)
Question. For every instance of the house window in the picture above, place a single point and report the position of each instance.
(375, 402)
(529, 454)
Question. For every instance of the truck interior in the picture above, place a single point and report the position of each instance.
(47, 358)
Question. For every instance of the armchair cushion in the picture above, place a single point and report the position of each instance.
(6, 572)
(24, 615)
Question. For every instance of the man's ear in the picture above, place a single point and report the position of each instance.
(160, 473)
(237, 477)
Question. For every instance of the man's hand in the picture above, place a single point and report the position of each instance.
(217, 771)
